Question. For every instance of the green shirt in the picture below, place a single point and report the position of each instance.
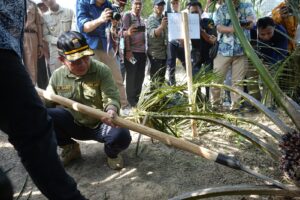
(96, 89)
(157, 46)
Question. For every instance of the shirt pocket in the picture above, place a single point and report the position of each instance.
(53, 28)
(66, 24)
(65, 91)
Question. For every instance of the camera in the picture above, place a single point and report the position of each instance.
(140, 29)
(166, 14)
(116, 14)
(244, 23)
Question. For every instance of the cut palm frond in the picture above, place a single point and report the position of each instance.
(247, 134)
(272, 116)
(239, 190)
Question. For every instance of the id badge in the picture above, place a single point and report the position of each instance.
(122, 43)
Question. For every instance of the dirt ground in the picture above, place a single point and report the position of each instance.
(158, 172)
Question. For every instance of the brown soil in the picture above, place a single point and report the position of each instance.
(158, 171)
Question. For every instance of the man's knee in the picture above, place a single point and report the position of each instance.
(122, 138)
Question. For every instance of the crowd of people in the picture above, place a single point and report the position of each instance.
(87, 56)
(127, 43)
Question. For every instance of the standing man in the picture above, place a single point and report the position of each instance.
(56, 21)
(175, 49)
(33, 39)
(200, 47)
(24, 118)
(89, 82)
(283, 14)
(93, 21)
(230, 51)
(135, 54)
(157, 34)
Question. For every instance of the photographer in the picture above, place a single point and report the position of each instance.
(93, 21)
(135, 52)
(284, 15)
(157, 41)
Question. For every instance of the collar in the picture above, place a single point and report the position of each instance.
(156, 16)
(93, 2)
(60, 9)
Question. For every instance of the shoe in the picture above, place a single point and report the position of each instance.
(226, 104)
(69, 153)
(126, 110)
(115, 163)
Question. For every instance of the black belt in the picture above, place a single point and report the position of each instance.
(30, 31)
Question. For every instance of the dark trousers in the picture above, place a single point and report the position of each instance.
(135, 74)
(24, 118)
(115, 139)
(157, 70)
(199, 61)
(174, 51)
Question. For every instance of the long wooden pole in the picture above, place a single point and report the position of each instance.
(163, 137)
(188, 63)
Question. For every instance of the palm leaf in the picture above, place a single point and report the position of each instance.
(272, 116)
(238, 190)
(247, 134)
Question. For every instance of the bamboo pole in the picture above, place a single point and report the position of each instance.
(167, 139)
(188, 63)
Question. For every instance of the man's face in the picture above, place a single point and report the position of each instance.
(49, 3)
(265, 34)
(195, 9)
(78, 67)
(137, 6)
(43, 7)
(158, 9)
(175, 5)
(121, 4)
(100, 2)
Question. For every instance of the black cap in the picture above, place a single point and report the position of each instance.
(156, 2)
(72, 45)
(193, 3)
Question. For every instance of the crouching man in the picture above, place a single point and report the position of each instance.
(89, 82)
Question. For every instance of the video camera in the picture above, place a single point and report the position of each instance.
(116, 14)
(244, 23)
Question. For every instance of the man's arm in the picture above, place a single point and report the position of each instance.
(85, 22)
(225, 29)
(155, 30)
(111, 96)
(50, 89)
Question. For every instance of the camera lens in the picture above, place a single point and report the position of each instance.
(116, 16)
